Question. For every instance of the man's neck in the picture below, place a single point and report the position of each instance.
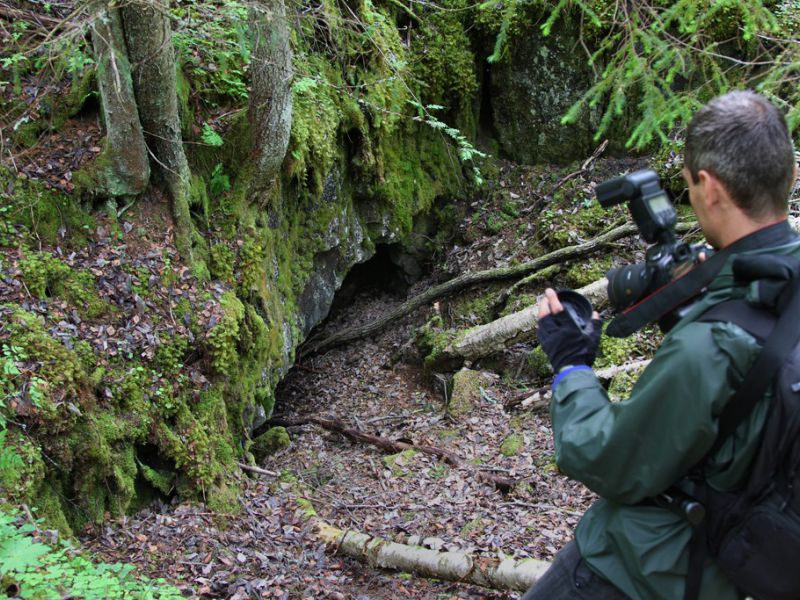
(736, 229)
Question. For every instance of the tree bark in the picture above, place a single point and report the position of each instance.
(270, 110)
(149, 39)
(123, 168)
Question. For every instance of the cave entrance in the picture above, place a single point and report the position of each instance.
(391, 270)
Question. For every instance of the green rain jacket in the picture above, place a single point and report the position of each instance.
(632, 450)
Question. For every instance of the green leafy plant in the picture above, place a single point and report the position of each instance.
(43, 571)
(219, 182)
(467, 153)
(657, 62)
(211, 137)
(212, 45)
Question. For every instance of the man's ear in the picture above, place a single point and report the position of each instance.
(713, 190)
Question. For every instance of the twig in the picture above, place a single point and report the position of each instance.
(584, 167)
(259, 470)
(332, 424)
(520, 399)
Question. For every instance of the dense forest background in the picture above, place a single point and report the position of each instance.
(185, 185)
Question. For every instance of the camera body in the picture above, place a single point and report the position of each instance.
(655, 218)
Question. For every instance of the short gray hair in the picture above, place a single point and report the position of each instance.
(742, 138)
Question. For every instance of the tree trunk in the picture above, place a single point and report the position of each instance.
(270, 110)
(149, 39)
(123, 168)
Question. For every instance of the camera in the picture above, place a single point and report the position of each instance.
(655, 218)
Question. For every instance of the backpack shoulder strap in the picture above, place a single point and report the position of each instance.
(779, 337)
(758, 322)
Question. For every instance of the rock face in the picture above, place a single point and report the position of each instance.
(532, 88)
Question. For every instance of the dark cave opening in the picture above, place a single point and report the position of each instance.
(390, 271)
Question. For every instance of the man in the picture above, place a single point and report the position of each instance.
(739, 167)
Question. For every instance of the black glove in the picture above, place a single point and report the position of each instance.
(565, 344)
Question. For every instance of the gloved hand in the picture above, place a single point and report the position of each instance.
(560, 337)
(565, 344)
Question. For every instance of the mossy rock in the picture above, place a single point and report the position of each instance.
(270, 443)
(512, 445)
(467, 386)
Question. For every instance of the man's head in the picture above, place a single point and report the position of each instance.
(741, 140)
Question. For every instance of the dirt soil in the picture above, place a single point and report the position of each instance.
(269, 550)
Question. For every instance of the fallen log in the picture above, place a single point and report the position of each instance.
(317, 345)
(611, 372)
(462, 567)
(503, 484)
(489, 572)
(539, 398)
(511, 329)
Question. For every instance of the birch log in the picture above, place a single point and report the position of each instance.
(512, 329)
(505, 574)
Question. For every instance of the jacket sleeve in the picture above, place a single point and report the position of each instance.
(627, 451)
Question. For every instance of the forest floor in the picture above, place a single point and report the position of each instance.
(269, 550)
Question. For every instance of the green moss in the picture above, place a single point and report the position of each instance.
(466, 394)
(512, 445)
(221, 340)
(475, 526)
(48, 507)
(582, 274)
(58, 370)
(48, 277)
(396, 463)
(38, 215)
(443, 58)
(574, 216)
(448, 434)
(27, 135)
(221, 262)
(163, 481)
(618, 351)
(539, 363)
(432, 343)
(622, 384)
(271, 442)
(615, 351)
(170, 354)
(474, 311)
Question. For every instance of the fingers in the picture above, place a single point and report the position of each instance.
(595, 315)
(549, 303)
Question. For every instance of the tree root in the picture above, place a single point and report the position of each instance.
(503, 484)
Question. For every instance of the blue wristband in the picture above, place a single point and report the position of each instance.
(566, 371)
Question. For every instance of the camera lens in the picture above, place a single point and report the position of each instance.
(577, 307)
(628, 284)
